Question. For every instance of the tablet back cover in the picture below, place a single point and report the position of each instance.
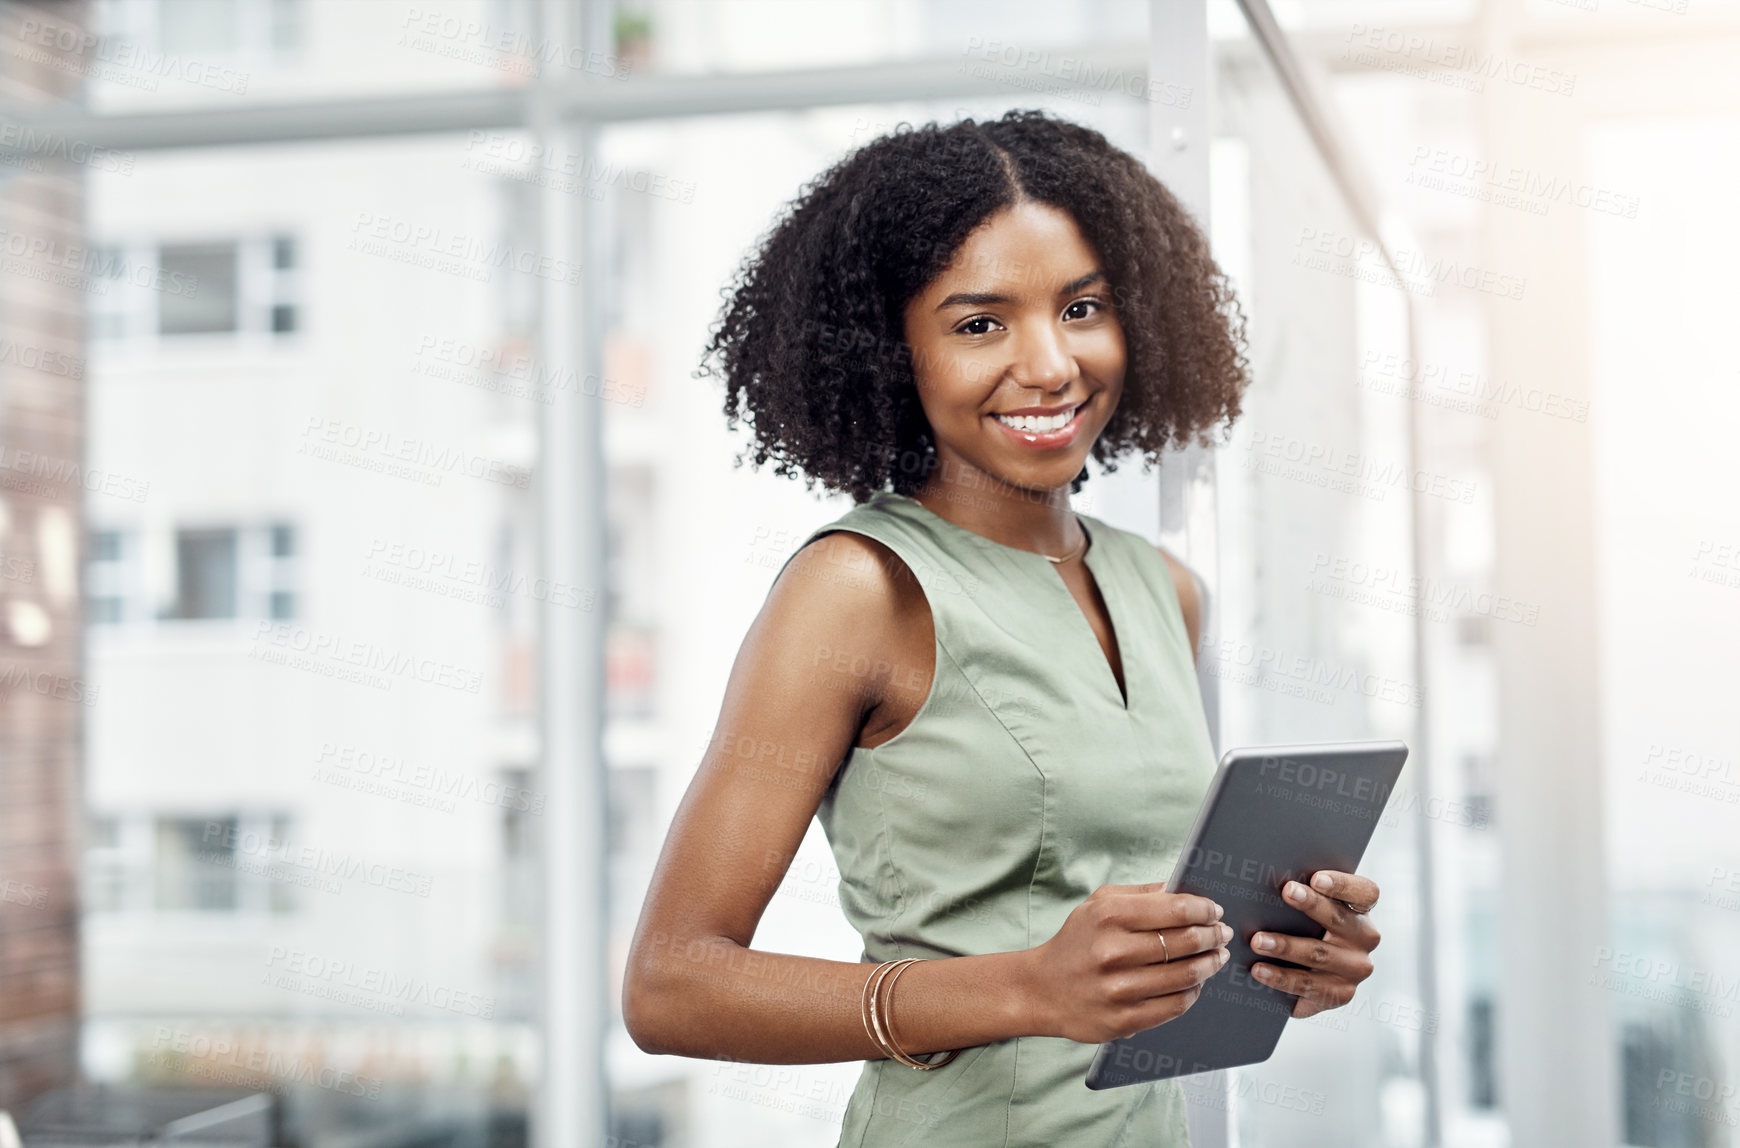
(1271, 815)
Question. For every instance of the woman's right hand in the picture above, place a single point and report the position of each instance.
(1105, 976)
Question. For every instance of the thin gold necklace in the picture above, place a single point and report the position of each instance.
(1072, 553)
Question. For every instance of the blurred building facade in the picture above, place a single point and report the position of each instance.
(44, 691)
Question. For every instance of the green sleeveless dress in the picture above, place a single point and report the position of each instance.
(1023, 784)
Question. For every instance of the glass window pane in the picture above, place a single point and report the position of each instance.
(287, 18)
(209, 303)
(205, 564)
(347, 499)
(196, 864)
(1313, 494)
(199, 25)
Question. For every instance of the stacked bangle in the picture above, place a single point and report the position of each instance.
(876, 1009)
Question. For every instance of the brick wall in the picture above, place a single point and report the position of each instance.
(42, 394)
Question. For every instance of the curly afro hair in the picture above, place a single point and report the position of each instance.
(811, 343)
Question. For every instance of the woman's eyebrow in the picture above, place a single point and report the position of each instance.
(993, 298)
(1074, 285)
(973, 299)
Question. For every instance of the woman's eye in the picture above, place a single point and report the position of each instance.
(1082, 308)
(978, 325)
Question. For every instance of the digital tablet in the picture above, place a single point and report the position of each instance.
(1272, 814)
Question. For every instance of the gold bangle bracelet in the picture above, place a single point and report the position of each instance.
(878, 1031)
(887, 1020)
(867, 1002)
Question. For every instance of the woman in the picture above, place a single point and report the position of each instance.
(988, 701)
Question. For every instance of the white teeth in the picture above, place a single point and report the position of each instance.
(1036, 424)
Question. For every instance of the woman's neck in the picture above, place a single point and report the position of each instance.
(1041, 521)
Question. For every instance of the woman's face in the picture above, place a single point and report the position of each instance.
(1017, 352)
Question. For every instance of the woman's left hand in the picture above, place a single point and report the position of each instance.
(1334, 964)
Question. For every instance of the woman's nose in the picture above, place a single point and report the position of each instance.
(1042, 358)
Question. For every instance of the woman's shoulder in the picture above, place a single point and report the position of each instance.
(855, 557)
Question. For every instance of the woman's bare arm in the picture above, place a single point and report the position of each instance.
(793, 708)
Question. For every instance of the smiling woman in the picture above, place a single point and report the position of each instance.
(816, 345)
(988, 701)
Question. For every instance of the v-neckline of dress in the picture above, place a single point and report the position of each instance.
(1114, 611)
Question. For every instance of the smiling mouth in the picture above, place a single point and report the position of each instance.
(1040, 424)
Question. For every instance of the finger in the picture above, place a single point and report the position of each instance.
(1324, 989)
(1155, 1011)
(1114, 951)
(1332, 914)
(1150, 887)
(1184, 942)
(1361, 893)
(1132, 986)
(1146, 912)
(1323, 954)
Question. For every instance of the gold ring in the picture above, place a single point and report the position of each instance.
(1163, 946)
